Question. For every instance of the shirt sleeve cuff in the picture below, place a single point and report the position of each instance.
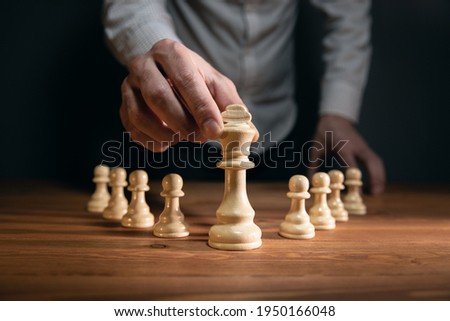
(342, 99)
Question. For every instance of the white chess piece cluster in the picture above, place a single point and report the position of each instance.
(137, 213)
(235, 228)
(324, 214)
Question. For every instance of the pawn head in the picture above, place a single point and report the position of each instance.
(172, 182)
(138, 178)
(101, 171)
(298, 184)
(320, 179)
(336, 176)
(118, 174)
(353, 173)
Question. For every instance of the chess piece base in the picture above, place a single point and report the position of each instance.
(325, 227)
(235, 237)
(340, 214)
(171, 235)
(114, 215)
(297, 231)
(96, 206)
(356, 210)
(323, 223)
(297, 236)
(170, 230)
(137, 221)
(343, 218)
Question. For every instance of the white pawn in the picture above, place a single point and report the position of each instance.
(99, 200)
(334, 201)
(320, 213)
(138, 214)
(118, 204)
(296, 224)
(353, 202)
(171, 221)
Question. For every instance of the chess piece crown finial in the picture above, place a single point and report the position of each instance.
(235, 115)
(236, 138)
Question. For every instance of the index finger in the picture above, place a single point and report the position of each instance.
(188, 81)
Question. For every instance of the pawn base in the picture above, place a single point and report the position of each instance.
(297, 231)
(170, 230)
(137, 221)
(114, 215)
(340, 215)
(325, 227)
(96, 207)
(323, 223)
(171, 235)
(341, 218)
(297, 236)
(356, 209)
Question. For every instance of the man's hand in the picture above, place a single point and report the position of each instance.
(356, 150)
(173, 94)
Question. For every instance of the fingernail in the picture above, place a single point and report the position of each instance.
(211, 129)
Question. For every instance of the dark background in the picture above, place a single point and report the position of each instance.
(60, 88)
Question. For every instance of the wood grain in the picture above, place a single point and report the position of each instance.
(52, 249)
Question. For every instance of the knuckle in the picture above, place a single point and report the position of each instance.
(202, 112)
(132, 113)
(167, 49)
(156, 94)
(134, 116)
(185, 77)
(222, 80)
(144, 77)
(135, 64)
(177, 48)
(229, 84)
(161, 45)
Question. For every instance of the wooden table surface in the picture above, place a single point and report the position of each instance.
(52, 249)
